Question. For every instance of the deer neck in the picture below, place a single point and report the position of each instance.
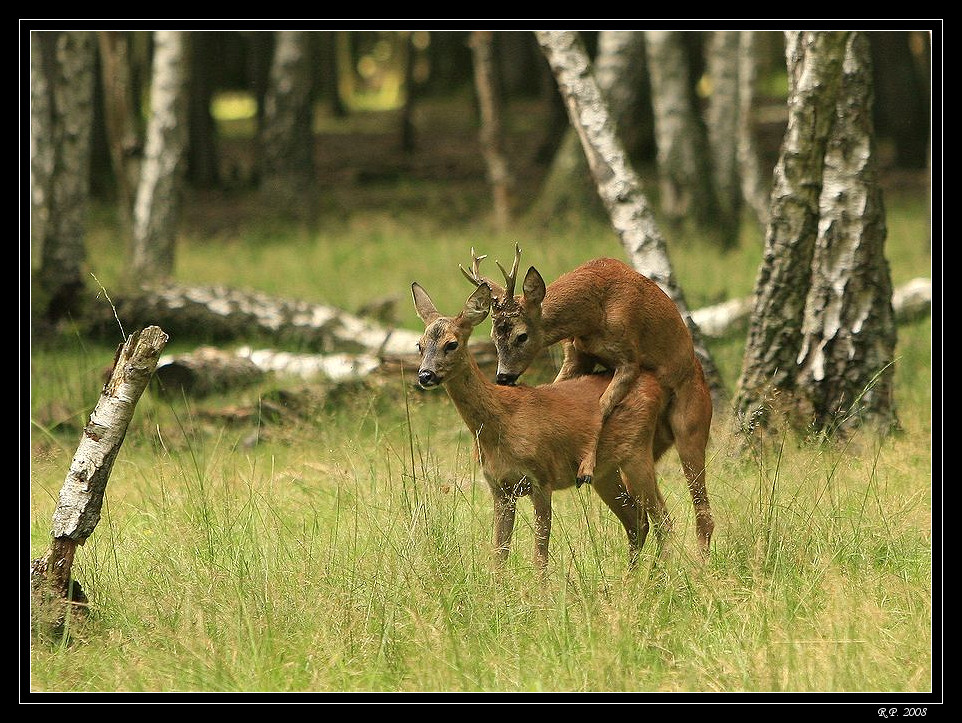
(479, 401)
(559, 320)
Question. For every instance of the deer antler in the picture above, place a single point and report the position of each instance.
(475, 277)
(511, 278)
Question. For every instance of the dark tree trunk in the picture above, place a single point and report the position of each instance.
(287, 136)
(61, 118)
(488, 91)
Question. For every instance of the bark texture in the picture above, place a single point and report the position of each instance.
(684, 167)
(158, 203)
(754, 183)
(618, 185)
(492, 133)
(619, 71)
(61, 115)
(81, 497)
(822, 334)
(848, 332)
(219, 313)
(723, 122)
(287, 135)
(774, 335)
(120, 116)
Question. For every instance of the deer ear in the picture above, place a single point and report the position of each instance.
(423, 304)
(477, 306)
(533, 286)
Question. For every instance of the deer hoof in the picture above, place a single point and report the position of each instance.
(583, 479)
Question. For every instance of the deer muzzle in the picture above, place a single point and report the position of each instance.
(427, 378)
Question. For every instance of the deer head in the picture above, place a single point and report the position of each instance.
(443, 346)
(517, 330)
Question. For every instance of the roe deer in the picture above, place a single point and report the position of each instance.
(529, 440)
(608, 314)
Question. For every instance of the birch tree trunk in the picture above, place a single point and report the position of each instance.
(61, 119)
(822, 329)
(684, 167)
(754, 184)
(848, 339)
(287, 135)
(616, 181)
(723, 127)
(157, 206)
(619, 71)
(121, 112)
(81, 497)
(492, 134)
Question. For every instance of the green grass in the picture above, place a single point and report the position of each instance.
(348, 550)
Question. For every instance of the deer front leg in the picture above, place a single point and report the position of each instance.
(575, 364)
(620, 384)
(505, 504)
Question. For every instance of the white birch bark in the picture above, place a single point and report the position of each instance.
(157, 203)
(616, 181)
(814, 64)
(81, 497)
(848, 330)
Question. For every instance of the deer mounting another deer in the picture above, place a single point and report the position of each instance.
(530, 440)
(607, 314)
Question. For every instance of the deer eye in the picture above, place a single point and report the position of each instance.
(522, 338)
(451, 346)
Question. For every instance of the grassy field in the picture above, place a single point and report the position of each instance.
(347, 549)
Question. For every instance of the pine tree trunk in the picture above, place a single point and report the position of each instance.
(158, 204)
(287, 136)
(616, 181)
(848, 331)
(61, 117)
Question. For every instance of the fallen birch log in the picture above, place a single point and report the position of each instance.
(81, 497)
(912, 300)
(208, 369)
(222, 314)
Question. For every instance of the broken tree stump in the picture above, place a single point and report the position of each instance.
(81, 497)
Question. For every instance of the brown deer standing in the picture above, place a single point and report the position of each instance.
(608, 314)
(530, 440)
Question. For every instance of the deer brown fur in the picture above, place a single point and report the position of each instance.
(608, 314)
(530, 440)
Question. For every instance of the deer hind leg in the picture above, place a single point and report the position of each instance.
(690, 420)
(628, 509)
(640, 479)
(620, 384)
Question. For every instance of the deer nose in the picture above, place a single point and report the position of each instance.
(506, 379)
(427, 378)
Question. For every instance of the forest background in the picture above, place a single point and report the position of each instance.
(399, 190)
